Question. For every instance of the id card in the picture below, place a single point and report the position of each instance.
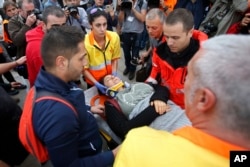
(130, 18)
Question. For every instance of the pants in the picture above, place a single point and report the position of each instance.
(121, 125)
(130, 45)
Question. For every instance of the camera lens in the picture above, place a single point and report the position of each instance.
(73, 10)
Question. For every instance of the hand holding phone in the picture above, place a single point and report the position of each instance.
(109, 8)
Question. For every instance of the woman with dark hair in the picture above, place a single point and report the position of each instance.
(103, 49)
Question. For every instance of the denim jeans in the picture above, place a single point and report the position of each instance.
(130, 45)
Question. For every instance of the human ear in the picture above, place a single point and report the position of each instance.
(190, 32)
(206, 100)
(61, 62)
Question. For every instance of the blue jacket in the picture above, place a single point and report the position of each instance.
(72, 140)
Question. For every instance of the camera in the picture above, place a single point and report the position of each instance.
(73, 10)
(209, 28)
(37, 13)
(126, 4)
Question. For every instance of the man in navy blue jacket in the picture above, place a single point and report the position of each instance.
(71, 139)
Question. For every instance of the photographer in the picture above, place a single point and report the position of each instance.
(17, 28)
(132, 16)
(76, 16)
(20, 24)
(242, 27)
(222, 15)
(112, 17)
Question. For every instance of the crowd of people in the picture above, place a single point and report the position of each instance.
(193, 96)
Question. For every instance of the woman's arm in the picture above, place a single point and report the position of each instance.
(4, 67)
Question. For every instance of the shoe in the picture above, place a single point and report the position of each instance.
(135, 61)
(21, 87)
(126, 71)
(13, 92)
(131, 75)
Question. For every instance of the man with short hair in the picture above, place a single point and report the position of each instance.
(20, 24)
(70, 134)
(217, 104)
(52, 16)
(154, 25)
(172, 55)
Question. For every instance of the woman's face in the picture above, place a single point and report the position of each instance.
(110, 80)
(99, 26)
(11, 11)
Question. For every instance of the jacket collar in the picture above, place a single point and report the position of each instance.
(207, 141)
(46, 80)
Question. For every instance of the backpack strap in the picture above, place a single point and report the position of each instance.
(46, 95)
(27, 134)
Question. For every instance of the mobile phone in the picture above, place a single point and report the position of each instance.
(108, 8)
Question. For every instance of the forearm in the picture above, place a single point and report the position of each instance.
(4, 67)
(121, 16)
(139, 15)
(161, 93)
(88, 75)
(114, 65)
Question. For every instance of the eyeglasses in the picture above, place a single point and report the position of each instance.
(94, 10)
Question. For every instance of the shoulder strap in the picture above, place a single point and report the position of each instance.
(46, 95)
(27, 134)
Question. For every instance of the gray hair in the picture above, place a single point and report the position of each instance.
(155, 12)
(224, 68)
